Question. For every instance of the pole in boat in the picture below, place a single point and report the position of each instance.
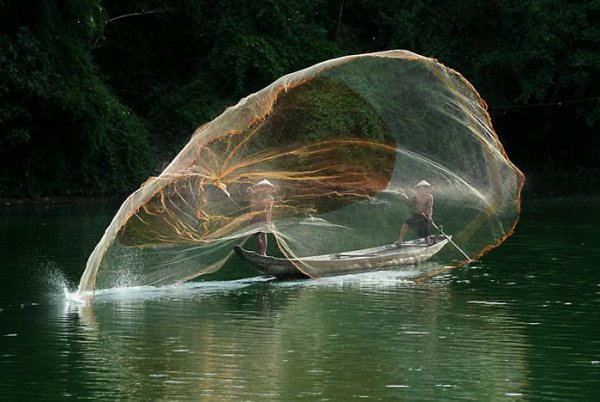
(449, 239)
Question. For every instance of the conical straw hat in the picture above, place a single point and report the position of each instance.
(423, 183)
(265, 184)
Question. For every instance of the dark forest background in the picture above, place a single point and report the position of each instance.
(95, 95)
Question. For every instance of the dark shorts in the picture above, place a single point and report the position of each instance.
(419, 223)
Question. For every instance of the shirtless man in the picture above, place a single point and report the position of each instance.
(420, 219)
(261, 207)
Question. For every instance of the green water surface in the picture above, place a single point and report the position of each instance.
(521, 324)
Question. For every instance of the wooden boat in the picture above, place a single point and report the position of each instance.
(388, 256)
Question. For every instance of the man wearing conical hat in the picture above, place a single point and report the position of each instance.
(261, 206)
(419, 220)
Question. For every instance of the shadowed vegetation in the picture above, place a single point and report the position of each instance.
(94, 95)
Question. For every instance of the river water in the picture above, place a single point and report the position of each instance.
(521, 324)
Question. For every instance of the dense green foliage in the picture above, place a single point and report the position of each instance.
(63, 132)
(88, 88)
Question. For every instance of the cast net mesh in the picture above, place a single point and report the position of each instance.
(340, 141)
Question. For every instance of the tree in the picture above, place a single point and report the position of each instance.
(535, 62)
(63, 132)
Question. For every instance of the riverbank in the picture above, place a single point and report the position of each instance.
(584, 182)
(61, 200)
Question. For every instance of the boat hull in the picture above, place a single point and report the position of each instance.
(383, 257)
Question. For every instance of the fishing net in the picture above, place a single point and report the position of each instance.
(340, 142)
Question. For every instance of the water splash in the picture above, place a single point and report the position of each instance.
(185, 291)
(50, 280)
(58, 282)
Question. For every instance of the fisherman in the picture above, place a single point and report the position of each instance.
(261, 206)
(420, 219)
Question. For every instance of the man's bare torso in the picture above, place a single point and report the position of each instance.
(424, 203)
